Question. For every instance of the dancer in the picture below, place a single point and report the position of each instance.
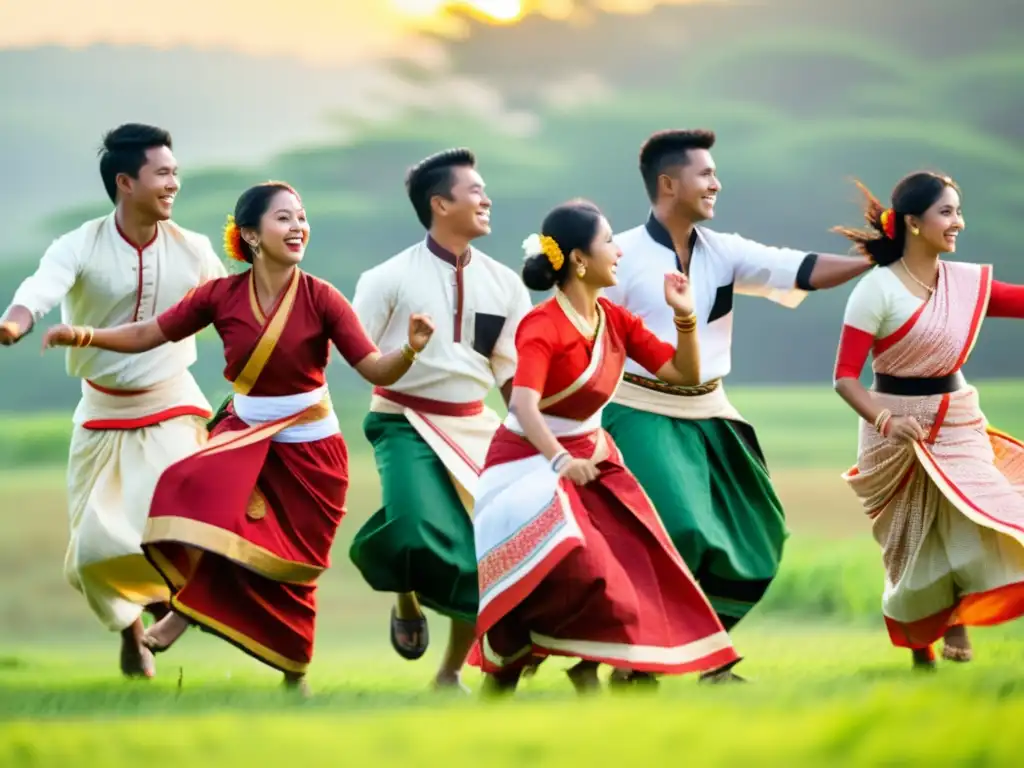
(138, 414)
(693, 453)
(572, 558)
(242, 528)
(431, 432)
(942, 488)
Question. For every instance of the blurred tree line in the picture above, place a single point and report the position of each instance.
(803, 95)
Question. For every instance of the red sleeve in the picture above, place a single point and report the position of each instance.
(854, 348)
(1006, 300)
(535, 346)
(641, 343)
(195, 311)
(342, 324)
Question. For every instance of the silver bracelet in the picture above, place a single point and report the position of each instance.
(560, 460)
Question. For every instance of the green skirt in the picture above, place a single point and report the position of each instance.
(421, 539)
(709, 483)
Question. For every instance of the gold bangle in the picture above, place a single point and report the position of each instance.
(87, 333)
(883, 416)
(409, 353)
(685, 323)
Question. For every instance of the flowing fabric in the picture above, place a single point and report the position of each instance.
(242, 528)
(582, 571)
(948, 511)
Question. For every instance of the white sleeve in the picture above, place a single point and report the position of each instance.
(766, 271)
(212, 266)
(503, 358)
(374, 301)
(53, 279)
(866, 307)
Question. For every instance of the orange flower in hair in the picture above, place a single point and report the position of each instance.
(888, 221)
(233, 245)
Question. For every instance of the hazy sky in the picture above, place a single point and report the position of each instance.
(316, 30)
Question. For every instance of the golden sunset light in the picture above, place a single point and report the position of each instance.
(318, 31)
(496, 10)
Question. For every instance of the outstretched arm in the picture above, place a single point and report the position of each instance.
(42, 291)
(130, 338)
(785, 275)
(1006, 300)
(829, 270)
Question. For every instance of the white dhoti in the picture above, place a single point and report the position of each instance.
(120, 445)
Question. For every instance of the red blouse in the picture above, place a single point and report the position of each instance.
(552, 353)
(320, 315)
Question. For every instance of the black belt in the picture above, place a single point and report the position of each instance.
(913, 387)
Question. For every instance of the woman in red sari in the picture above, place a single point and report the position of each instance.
(242, 528)
(944, 490)
(572, 558)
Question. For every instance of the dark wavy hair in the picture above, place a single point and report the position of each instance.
(251, 206)
(912, 196)
(573, 225)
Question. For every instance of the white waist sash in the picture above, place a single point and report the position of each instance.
(260, 410)
(559, 426)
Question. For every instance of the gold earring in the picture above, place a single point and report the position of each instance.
(915, 231)
(581, 271)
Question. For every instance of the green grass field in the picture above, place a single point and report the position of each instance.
(828, 688)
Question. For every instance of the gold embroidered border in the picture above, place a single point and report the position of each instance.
(193, 533)
(258, 650)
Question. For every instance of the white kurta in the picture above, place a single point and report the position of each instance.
(721, 265)
(476, 309)
(144, 412)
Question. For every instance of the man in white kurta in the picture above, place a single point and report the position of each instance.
(137, 414)
(693, 453)
(431, 431)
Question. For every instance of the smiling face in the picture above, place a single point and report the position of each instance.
(284, 230)
(466, 212)
(693, 187)
(602, 259)
(152, 194)
(942, 223)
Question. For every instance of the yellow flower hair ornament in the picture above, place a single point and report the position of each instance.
(535, 245)
(233, 245)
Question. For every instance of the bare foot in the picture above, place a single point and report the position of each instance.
(165, 632)
(297, 684)
(158, 610)
(584, 677)
(956, 646)
(449, 683)
(136, 660)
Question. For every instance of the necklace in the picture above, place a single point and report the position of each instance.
(929, 288)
